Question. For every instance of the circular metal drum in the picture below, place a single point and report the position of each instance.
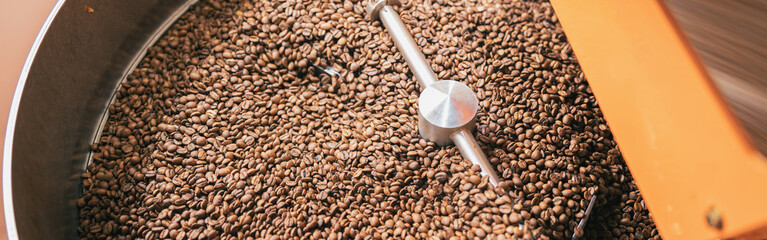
(82, 53)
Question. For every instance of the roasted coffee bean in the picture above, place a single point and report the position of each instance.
(232, 127)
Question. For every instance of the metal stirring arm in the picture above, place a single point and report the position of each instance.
(470, 150)
(406, 45)
(447, 109)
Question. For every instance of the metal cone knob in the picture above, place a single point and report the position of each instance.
(446, 107)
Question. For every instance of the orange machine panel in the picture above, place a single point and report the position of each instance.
(699, 174)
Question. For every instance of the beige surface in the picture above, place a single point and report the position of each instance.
(20, 21)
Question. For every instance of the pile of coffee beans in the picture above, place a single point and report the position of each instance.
(231, 129)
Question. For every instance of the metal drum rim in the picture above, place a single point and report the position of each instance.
(8, 211)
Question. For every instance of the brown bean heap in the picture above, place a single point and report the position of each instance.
(229, 130)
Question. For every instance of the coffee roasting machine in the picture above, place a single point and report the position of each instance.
(685, 115)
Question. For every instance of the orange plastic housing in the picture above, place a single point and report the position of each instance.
(686, 151)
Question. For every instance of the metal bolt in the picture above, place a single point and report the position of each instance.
(714, 218)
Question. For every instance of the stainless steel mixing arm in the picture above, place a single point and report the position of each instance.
(447, 109)
(405, 43)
